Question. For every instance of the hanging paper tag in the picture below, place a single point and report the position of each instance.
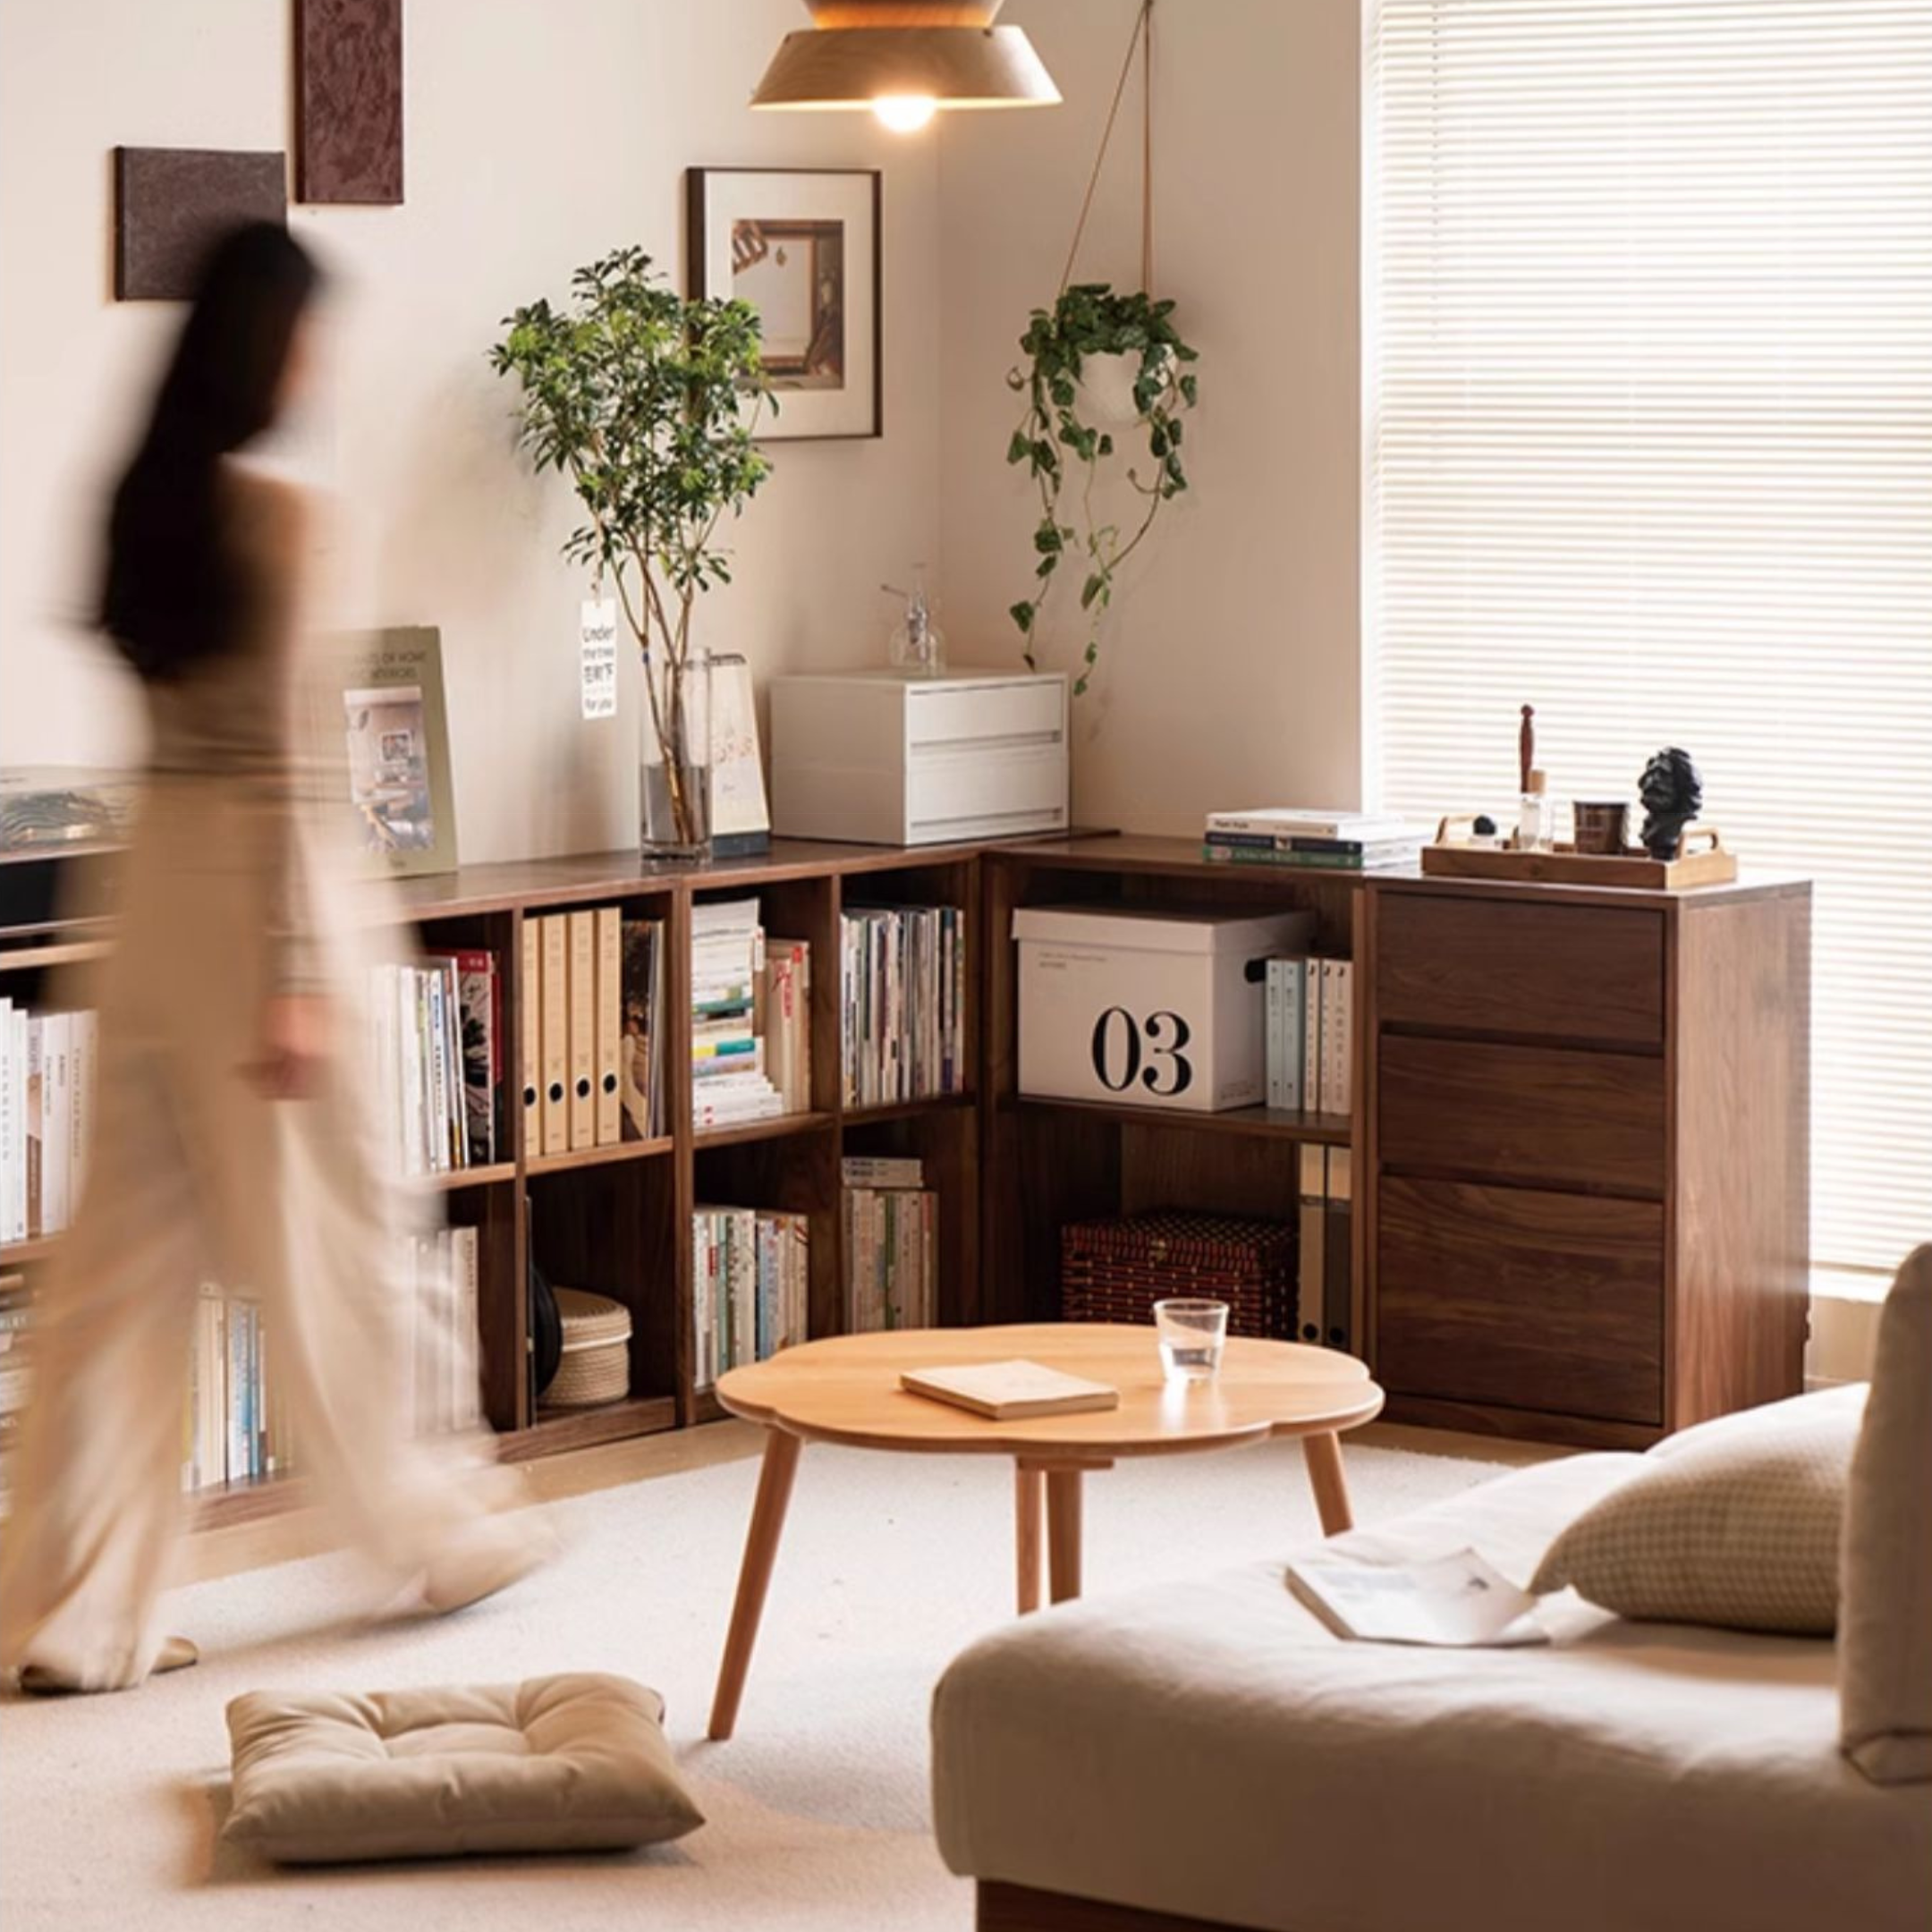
(600, 657)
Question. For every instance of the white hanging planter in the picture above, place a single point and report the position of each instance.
(1107, 385)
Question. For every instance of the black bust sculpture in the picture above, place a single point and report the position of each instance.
(1671, 792)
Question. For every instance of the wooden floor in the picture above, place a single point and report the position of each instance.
(253, 1545)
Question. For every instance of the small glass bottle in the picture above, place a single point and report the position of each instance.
(1536, 821)
(918, 644)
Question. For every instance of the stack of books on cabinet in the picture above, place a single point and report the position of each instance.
(50, 1076)
(902, 993)
(892, 1244)
(750, 1284)
(1311, 836)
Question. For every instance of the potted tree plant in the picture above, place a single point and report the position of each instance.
(649, 403)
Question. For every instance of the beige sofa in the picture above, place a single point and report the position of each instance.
(1207, 1755)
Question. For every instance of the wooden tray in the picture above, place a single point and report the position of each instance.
(1712, 864)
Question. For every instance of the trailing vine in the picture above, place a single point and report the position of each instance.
(1057, 444)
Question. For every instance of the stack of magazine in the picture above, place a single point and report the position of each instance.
(892, 1244)
(902, 987)
(1309, 835)
(730, 1082)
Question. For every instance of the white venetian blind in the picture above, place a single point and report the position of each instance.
(1649, 447)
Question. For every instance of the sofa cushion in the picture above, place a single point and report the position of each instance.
(1735, 1523)
(1885, 1642)
(574, 1763)
(1208, 1750)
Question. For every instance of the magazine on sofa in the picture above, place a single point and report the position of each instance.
(1455, 1602)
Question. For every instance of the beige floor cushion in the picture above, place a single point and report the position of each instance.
(1885, 1646)
(1735, 1524)
(557, 1764)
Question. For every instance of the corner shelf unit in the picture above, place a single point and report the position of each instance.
(1497, 1306)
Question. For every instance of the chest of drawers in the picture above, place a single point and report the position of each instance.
(1586, 1205)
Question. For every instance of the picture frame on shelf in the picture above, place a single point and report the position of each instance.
(803, 246)
(388, 714)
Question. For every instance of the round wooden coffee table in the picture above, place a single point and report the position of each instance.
(846, 1390)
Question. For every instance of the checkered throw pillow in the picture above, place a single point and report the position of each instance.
(1734, 1524)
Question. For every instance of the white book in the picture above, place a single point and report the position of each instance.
(56, 1143)
(1334, 1036)
(1312, 1096)
(12, 1147)
(83, 1051)
(408, 1097)
(1303, 821)
(1458, 1602)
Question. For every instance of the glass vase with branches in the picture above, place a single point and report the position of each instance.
(649, 403)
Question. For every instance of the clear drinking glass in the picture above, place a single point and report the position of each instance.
(1192, 1334)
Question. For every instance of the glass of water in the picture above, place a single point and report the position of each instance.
(1192, 1334)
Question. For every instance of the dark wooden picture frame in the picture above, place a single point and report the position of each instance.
(800, 400)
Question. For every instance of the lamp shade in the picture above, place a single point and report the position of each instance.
(863, 52)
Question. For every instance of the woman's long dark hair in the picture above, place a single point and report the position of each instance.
(172, 595)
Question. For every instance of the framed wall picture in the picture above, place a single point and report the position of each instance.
(388, 714)
(801, 245)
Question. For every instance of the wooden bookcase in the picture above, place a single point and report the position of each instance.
(1715, 1294)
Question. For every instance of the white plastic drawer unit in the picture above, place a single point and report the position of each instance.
(887, 759)
(1147, 1009)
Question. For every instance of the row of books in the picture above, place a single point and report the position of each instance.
(48, 1076)
(1310, 1008)
(589, 1029)
(892, 1245)
(731, 1081)
(903, 992)
(1304, 835)
(235, 1423)
(441, 1288)
(434, 1062)
(16, 1376)
(751, 1285)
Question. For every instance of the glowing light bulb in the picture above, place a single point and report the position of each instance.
(905, 114)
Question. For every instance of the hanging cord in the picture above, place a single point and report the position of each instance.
(1140, 41)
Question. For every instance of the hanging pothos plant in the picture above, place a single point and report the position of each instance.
(1057, 444)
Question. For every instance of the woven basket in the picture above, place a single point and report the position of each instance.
(1115, 1271)
(597, 1351)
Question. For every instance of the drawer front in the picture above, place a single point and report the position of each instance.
(1541, 1115)
(1519, 1298)
(1487, 966)
(1030, 711)
(986, 795)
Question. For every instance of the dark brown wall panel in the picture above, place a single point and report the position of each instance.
(170, 203)
(349, 100)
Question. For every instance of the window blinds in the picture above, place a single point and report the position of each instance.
(1648, 445)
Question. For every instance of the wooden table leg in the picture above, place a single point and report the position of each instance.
(1029, 1488)
(1063, 1533)
(761, 1547)
(1322, 1455)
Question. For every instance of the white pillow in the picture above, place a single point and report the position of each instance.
(1735, 1523)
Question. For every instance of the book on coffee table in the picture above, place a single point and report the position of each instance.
(1010, 1391)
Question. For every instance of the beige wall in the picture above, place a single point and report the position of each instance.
(540, 133)
(1232, 671)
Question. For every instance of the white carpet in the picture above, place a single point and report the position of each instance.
(109, 1807)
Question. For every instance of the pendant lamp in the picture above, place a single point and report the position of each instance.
(905, 60)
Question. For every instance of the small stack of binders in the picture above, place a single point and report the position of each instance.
(576, 1025)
